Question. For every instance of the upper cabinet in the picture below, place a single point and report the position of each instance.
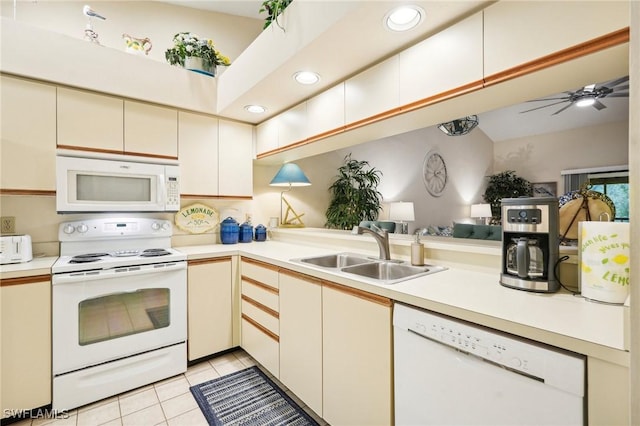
(150, 129)
(373, 91)
(235, 166)
(89, 120)
(292, 125)
(445, 61)
(518, 32)
(28, 128)
(267, 135)
(198, 153)
(325, 112)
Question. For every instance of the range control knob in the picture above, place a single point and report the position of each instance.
(515, 362)
(166, 226)
(82, 228)
(155, 226)
(68, 229)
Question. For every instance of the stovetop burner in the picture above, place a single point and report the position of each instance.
(154, 252)
(86, 258)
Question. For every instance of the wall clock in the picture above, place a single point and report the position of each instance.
(434, 173)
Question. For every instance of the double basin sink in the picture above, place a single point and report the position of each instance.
(380, 271)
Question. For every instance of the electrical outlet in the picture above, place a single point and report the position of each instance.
(8, 225)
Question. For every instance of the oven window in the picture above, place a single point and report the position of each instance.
(123, 314)
(113, 188)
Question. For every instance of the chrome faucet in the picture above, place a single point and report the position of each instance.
(381, 236)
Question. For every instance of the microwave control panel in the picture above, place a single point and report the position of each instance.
(173, 193)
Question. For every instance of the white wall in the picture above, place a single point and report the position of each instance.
(541, 158)
(152, 19)
(400, 159)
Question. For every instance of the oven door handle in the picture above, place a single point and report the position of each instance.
(121, 272)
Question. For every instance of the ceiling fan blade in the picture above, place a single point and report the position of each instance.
(562, 109)
(618, 95)
(618, 81)
(544, 106)
(599, 105)
(549, 99)
(620, 89)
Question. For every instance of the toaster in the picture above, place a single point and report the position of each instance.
(15, 249)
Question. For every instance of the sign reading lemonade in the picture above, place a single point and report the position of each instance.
(604, 261)
(197, 218)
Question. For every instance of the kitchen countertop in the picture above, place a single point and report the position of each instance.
(560, 319)
(37, 266)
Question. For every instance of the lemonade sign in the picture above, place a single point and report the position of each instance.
(604, 261)
(197, 218)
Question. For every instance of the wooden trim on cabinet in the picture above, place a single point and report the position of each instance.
(82, 148)
(218, 197)
(24, 280)
(380, 300)
(261, 328)
(260, 306)
(9, 191)
(444, 96)
(145, 154)
(196, 262)
(259, 284)
(592, 46)
(301, 276)
(260, 263)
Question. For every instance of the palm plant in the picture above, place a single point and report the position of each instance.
(354, 195)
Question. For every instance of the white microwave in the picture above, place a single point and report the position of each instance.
(115, 185)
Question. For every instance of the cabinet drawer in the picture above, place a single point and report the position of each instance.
(261, 272)
(266, 317)
(261, 346)
(261, 293)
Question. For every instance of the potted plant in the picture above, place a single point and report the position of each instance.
(273, 8)
(505, 185)
(194, 53)
(354, 195)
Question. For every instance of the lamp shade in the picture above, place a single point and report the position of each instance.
(290, 174)
(480, 210)
(401, 211)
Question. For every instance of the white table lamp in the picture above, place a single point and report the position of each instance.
(402, 212)
(481, 212)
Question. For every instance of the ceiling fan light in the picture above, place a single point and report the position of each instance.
(586, 101)
(459, 127)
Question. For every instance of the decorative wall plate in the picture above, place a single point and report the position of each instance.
(434, 173)
(197, 218)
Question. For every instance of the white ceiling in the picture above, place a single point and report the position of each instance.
(246, 8)
(511, 123)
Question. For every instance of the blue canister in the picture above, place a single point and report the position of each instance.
(229, 231)
(261, 233)
(246, 233)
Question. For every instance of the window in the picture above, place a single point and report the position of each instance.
(616, 188)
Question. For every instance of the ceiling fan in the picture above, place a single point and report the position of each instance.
(588, 95)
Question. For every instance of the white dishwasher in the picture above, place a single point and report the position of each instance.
(449, 372)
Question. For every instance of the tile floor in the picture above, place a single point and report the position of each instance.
(168, 402)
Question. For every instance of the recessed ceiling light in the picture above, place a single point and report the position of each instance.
(256, 109)
(306, 77)
(404, 18)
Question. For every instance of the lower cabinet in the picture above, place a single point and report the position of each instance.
(260, 313)
(301, 337)
(25, 342)
(209, 298)
(357, 357)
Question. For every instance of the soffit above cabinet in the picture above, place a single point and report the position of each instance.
(334, 39)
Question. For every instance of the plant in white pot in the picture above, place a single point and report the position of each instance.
(196, 54)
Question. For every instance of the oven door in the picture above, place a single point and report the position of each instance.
(100, 316)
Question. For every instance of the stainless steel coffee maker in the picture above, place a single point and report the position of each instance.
(530, 243)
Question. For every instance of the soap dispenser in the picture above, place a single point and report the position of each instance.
(417, 251)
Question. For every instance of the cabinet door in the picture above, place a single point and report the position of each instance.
(25, 325)
(198, 153)
(325, 111)
(150, 130)
(293, 125)
(209, 301)
(519, 32)
(301, 337)
(444, 61)
(267, 136)
(89, 120)
(236, 159)
(28, 129)
(357, 363)
(373, 91)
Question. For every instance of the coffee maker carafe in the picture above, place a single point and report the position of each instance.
(530, 243)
